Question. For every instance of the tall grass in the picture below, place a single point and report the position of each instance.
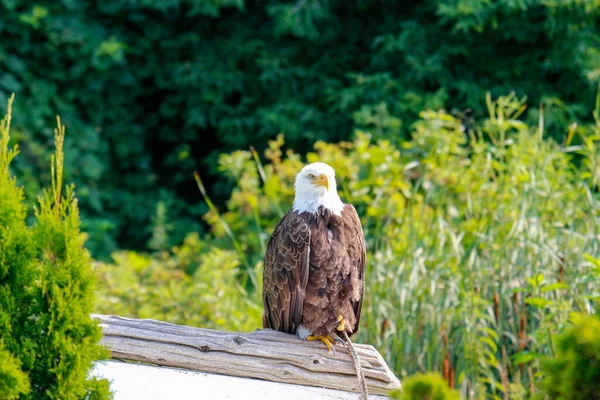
(486, 259)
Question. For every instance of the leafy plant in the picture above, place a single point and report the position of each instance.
(47, 339)
(193, 284)
(13, 381)
(430, 386)
(574, 371)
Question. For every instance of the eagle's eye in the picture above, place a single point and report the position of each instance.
(311, 176)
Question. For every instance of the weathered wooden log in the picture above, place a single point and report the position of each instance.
(262, 354)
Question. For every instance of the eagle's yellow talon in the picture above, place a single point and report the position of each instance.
(328, 341)
(341, 323)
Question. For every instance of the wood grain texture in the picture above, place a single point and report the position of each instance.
(262, 354)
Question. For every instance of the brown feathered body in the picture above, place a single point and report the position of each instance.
(314, 272)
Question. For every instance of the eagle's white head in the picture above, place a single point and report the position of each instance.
(315, 186)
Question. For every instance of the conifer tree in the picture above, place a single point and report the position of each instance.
(47, 339)
(16, 274)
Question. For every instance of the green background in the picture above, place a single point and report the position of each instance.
(152, 90)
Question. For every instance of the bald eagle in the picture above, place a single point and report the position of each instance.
(314, 272)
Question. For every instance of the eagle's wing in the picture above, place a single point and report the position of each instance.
(286, 274)
(357, 252)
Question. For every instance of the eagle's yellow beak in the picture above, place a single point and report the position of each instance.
(321, 180)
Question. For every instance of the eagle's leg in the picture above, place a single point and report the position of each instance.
(327, 340)
(341, 323)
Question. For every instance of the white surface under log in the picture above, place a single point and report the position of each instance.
(147, 382)
(262, 354)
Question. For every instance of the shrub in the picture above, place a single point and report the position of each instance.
(13, 381)
(431, 386)
(47, 339)
(574, 371)
(192, 284)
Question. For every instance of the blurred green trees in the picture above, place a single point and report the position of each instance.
(47, 338)
(153, 89)
(481, 243)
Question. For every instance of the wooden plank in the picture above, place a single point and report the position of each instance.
(262, 354)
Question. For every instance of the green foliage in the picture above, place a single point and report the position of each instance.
(574, 371)
(192, 285)
(154, 89)
(430, 386)
(481, 243)
(47, 339)
(13, 381)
